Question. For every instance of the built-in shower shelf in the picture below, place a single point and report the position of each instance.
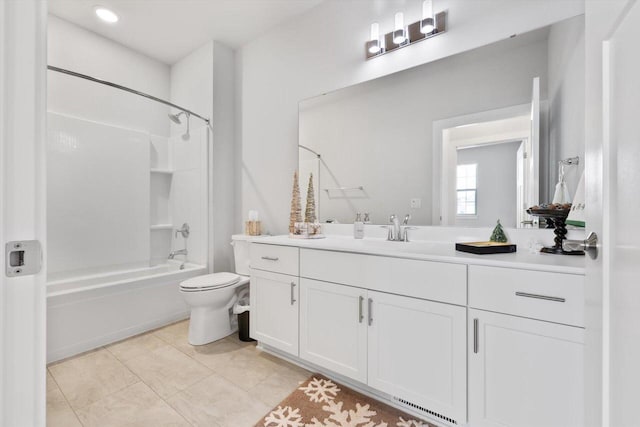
(161, 227)
(162, 171)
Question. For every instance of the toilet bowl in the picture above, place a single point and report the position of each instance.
(212, 296)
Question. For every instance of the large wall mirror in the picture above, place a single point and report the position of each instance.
(461, 141)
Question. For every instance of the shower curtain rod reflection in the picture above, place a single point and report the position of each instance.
(126, 89)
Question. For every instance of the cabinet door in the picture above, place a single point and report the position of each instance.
(333, 327)
(524, 372)
(417, 352)
(274, 310)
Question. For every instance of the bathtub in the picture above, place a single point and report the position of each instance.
(87, 312)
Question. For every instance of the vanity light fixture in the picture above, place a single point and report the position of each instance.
(430, 25)
(106, 15)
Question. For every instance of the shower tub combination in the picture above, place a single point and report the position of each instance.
(87, 312)
(115, 194)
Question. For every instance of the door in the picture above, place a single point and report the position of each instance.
(22, 202)
(524, 372)
(621, 236)
(333, 327)
(417, 352)
(274, 310)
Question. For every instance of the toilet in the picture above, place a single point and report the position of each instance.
(212, 296)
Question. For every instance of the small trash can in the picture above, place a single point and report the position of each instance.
(241, 308)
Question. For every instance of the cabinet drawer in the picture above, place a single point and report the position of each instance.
(554, 297)
(279, 259)
(437, 281)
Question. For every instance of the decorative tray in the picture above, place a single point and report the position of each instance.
(485, 248)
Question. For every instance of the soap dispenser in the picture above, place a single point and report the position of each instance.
(358, 227)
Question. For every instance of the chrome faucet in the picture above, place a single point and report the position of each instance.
(397, 232)
(173, 254)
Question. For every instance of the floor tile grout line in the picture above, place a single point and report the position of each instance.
(167, 402)
(108, 394)
(65, 397)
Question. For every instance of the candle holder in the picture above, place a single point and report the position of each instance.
(556, 217)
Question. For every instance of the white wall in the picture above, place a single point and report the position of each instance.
(82, 51)
(496, 184)
(204, 82)
(323, 50)
(379, 134)
(566, 99)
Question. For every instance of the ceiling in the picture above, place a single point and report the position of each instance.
(168, 30)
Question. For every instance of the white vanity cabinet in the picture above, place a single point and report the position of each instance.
(409, 348)
(333, 327)
(274, 296)
(413, 349)
(417, 352)
(463, 343)
(523, 371)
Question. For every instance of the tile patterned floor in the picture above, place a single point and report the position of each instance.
(158, 379)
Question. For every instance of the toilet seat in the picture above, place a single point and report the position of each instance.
(209, 282)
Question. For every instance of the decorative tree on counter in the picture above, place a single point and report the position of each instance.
(498, 234)
(310, 211)
(296, 208)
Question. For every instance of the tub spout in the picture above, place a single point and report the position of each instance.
(173, 254)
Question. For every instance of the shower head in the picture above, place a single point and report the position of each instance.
(175, 118)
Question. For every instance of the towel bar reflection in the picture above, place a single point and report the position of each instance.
(361, 188)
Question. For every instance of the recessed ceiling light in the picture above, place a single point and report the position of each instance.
(106, 15)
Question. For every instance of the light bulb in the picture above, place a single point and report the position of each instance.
(426, 24)
(398, 33)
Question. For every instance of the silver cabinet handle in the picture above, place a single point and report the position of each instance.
(293, 290)
(475, 335)
(360, 314)
(536, 296)
(370, 311)
(270, 258)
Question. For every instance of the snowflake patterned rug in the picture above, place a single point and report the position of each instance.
(319, 402)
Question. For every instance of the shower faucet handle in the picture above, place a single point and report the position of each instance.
(184, 230)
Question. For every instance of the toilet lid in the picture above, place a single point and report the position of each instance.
(210, 281)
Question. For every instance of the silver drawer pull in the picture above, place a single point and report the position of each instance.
(360, 313)
(293, 290)
(476, 344)
(370, 311)
(270, 258)
(544, 297)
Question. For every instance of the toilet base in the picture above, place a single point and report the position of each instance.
(207, 325)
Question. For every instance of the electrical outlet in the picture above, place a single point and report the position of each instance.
(416, 203)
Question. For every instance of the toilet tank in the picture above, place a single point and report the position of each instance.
(240, 243)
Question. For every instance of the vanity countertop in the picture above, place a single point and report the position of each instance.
(435, 251)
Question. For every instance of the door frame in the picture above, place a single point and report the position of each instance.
(23, 42)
